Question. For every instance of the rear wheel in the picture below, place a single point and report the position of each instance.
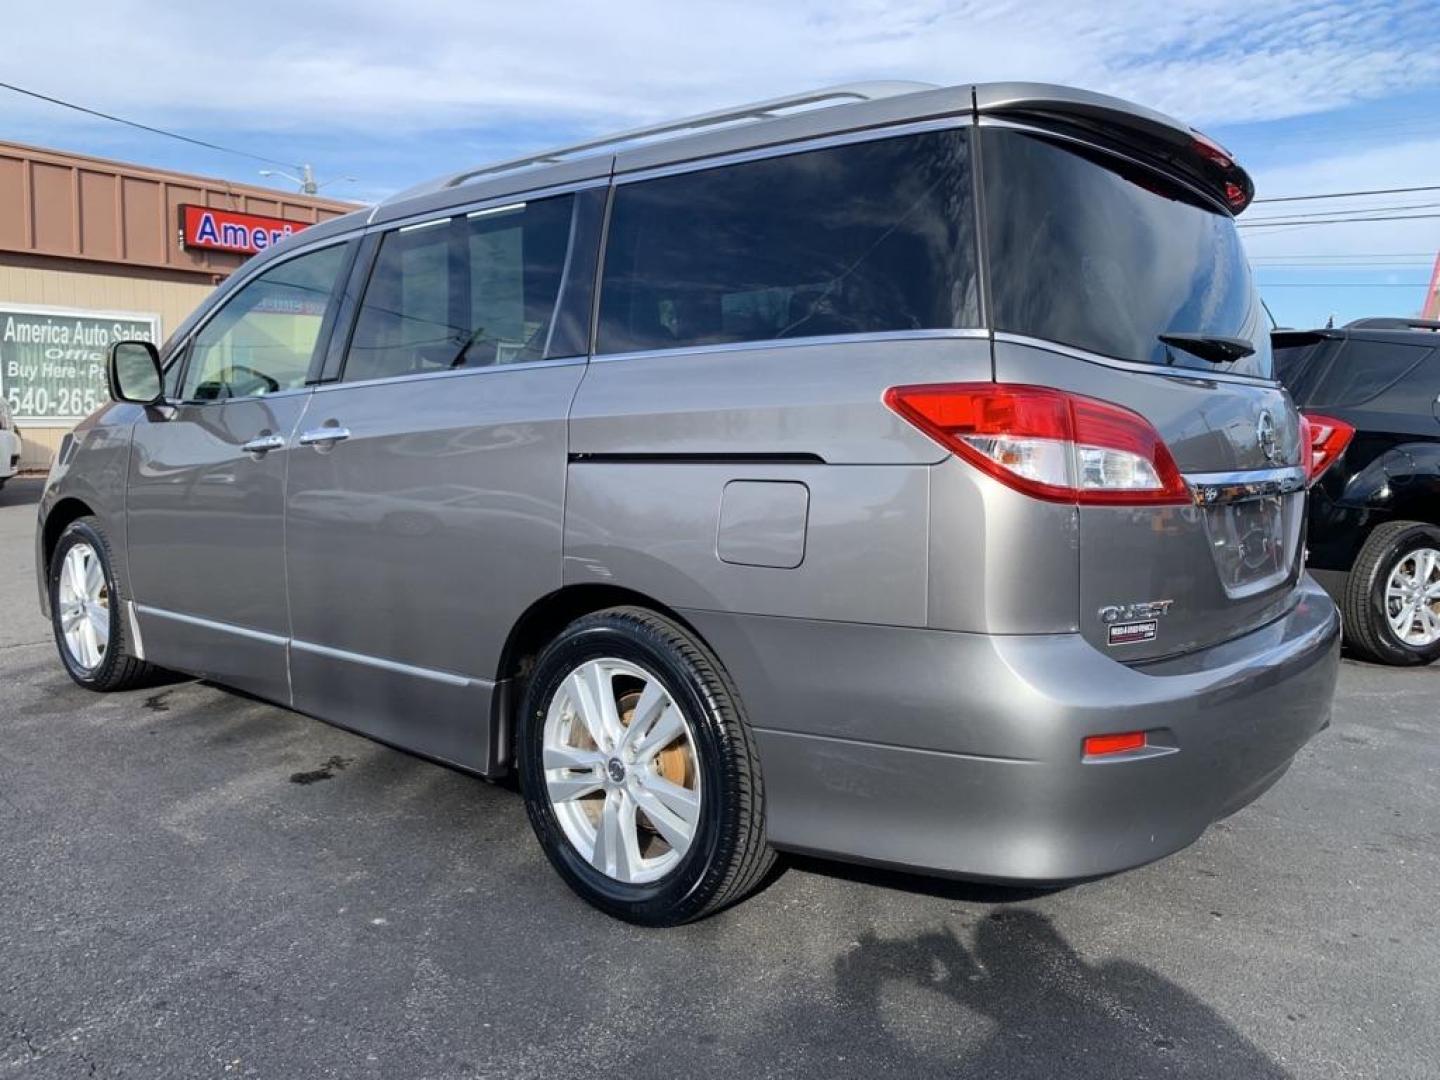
(639, 773)
(90, 631)
(1392, 596)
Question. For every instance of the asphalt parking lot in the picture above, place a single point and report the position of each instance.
(197, 884)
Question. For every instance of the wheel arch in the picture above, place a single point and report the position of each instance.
(61, 515)
(1421, 506)
(1403, 484)
(536, 627)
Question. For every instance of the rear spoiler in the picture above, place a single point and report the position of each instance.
(1143, 133)
(1294, 339)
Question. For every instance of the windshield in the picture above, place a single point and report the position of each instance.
(1090, 251)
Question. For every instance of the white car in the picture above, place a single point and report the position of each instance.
(9, 444)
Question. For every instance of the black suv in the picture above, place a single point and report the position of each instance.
(1375, 515)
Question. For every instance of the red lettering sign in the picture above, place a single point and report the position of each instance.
(227, 230)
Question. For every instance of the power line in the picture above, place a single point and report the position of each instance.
(1352, 255)
(1331, 221)
(144, 127)
(1342, 284)
(1338, 264)
(1346, 194)
(1357, 210)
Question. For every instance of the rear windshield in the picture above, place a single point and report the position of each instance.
(1089, 251)
(1348, 373)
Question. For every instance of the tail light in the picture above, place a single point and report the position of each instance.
(1211, 150)
(1237, 195)
(1048, 444)
(1326, 439)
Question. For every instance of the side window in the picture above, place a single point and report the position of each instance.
(868, 237)
(261, 340)
(468, 291)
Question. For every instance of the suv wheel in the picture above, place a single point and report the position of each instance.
(90, 632)
(1392, 597)
(639, 773)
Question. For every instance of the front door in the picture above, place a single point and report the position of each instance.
(426, 490)
(206, 491)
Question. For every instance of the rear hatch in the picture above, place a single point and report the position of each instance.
(1116, 273)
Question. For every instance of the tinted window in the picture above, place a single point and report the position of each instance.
(869, 237)
(1090, 252)
(1299, 360)
(1361, 371)
(463, 292)
(262, 339)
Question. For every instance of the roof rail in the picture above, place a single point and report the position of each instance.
(1387, 323)
(757, 110)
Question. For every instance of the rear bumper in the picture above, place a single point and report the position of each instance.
(960, 753)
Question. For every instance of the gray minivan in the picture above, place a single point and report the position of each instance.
(891, 473)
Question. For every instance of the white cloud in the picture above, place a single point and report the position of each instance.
(433, 64)
(1403, 165)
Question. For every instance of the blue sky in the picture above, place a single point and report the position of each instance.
(1313, 96)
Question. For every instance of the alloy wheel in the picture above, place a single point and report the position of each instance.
(621, 770)
(84, 602)
(1412, 598)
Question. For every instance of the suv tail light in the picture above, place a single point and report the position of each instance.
(1051, 445)
(1326, 439)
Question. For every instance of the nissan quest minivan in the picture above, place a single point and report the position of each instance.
(891, 473)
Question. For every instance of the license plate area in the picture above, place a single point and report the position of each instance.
(1255, 542)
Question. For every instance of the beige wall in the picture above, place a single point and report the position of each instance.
(57, 283)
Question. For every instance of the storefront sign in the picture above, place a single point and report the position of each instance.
(52, 360)
(227, 230)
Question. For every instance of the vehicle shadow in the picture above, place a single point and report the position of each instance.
(1050, 1012)
(957, 889)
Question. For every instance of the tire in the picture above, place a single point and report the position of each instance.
(725, 855)
(116, 667)
(1368, 630)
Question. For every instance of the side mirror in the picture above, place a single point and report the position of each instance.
(134, 373)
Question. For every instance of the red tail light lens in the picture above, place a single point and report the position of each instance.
(1211, 150)
(1120, 743)
(1327, 439)
(1051, 445)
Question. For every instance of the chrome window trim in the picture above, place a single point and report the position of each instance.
(1219, 488)
(1189, 374)
(785, 149)
(482, 205)
(430, 224)
(451, 373)
(211, 624)
(794, 342)
(430, 674)
(505, 209)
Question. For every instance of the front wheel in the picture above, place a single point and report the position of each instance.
(639, 773)
(1392, 596)
(90, 631)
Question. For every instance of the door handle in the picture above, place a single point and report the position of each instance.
(263, 444)
(324, 436)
